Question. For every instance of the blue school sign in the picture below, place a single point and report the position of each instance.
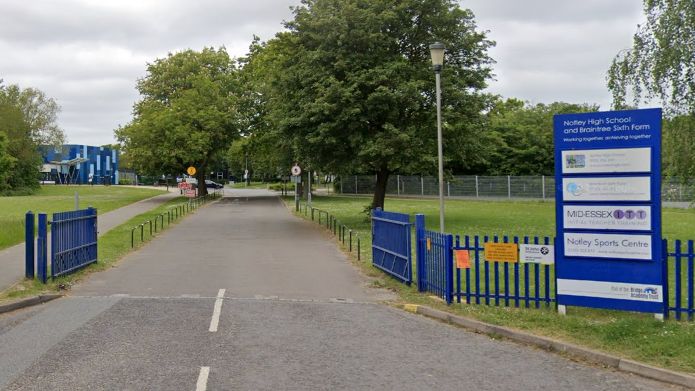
(608, 210)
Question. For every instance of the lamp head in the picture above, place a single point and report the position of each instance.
(437, 53)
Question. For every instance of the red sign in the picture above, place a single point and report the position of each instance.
(463, 259)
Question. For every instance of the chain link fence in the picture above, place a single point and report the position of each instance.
(475, 186)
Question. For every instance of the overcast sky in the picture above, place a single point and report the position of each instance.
(87, 54)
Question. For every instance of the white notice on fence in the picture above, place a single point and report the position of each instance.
(606, 160)
(537, 253)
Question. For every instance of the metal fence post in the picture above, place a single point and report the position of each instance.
(449, 260)
(350, 234)
(419, 254)
(398, 185)
(422, 185)
(509, 186)
(543, 185)
(29, 245)
(448, 189)
(477, 194)
(42, 250)
(356, 184)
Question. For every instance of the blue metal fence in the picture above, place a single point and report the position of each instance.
(73, 240)
(680, 278)
(526, 285)
(73, 243)
(391, 248)
(434, 261)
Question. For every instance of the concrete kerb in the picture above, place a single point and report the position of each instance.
(552, 345)
(28, 302)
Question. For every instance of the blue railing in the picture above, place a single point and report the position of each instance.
(527, 285)
(679, 275)
(391, 249)
(518, 284)
(434, 261)
(73, 241)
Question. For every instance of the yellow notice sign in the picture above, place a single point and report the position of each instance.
(501, 252)
(463, 259)
(191, 171)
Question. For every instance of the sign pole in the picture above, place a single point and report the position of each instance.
(296, 196)
(308, 173)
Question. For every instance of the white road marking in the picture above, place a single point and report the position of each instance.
(215, 321)
(202, 384)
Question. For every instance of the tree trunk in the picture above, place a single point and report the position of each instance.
(200, 176)
(382, 178)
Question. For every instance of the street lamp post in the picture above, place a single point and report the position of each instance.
(437, 53)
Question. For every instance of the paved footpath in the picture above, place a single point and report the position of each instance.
(243, 296)
(12, 258)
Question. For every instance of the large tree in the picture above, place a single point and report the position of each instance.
(661, 63)
(187, 114)
(27, 120)
(352, 89)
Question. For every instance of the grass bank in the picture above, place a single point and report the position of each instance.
(53, 198)
(669, 344)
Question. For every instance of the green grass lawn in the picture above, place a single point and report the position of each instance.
(52, 198)
(464, 217)
(669, 344)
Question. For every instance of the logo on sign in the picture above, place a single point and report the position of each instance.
(575, 189)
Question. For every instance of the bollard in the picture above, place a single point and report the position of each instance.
(312, 214)
(350, 231)
(359, 253)
(156, 219)
(29, 245)
(150, 223)
(132, 237)
(142, 232)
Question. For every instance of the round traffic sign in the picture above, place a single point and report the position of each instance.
(296, 171)
(191, 171)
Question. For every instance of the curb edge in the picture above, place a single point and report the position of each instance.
(545, 343)
(28, 302)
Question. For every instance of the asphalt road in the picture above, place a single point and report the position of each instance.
(243, 296)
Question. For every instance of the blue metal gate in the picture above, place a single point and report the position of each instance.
(73, 240)
(435, 264)
(391, 248)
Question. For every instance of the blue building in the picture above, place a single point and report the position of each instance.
(71, 163)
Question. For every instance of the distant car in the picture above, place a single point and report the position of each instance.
(212, 185)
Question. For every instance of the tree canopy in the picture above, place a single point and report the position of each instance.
(350, 87)
(187, 114)
(27, 120)
(661, 62)
(519, 137)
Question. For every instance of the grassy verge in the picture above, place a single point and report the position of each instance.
(113, 245)
(53, 198)
(669, 344)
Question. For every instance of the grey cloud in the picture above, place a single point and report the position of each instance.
(87, 54)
